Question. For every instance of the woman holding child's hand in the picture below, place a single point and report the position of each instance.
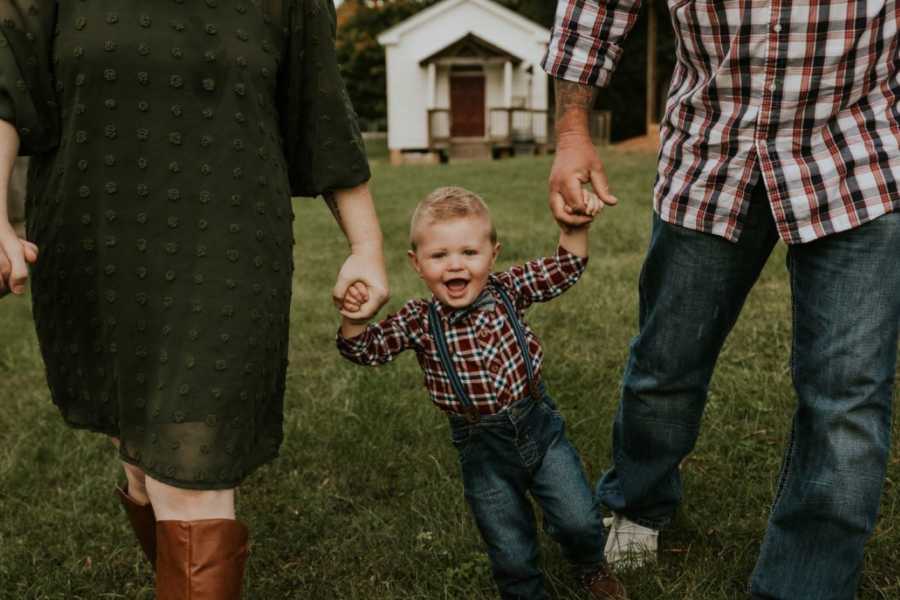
(15, 254)
(167, 141)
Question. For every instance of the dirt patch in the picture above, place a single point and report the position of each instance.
(646, 143)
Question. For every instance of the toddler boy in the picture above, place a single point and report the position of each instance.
(482, 366)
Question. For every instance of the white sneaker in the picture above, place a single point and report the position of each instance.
(628, 544)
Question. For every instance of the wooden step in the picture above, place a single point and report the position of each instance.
(470, 150)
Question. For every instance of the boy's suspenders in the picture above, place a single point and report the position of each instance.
(470, 411)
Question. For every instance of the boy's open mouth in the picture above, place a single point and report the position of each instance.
(456, 287)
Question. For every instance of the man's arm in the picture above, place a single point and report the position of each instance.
(583, 52)
(576, 162)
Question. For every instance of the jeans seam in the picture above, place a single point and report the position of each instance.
(789, 451)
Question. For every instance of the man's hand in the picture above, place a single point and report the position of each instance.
(576, 163)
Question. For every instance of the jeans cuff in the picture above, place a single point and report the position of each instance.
(653, 523)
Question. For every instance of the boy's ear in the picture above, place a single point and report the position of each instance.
(414, 262)
(497, 248)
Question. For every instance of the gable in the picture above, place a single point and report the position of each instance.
(444, 12)
(471, 46)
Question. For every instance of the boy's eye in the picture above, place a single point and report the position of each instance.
(470, 252)
(439, 255)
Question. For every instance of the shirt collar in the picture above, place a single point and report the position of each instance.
(484, 302)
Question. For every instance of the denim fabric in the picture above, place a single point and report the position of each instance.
(846, 309)
(503, 457)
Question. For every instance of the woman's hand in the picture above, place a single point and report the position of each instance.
(15, 255)
(366, 267)
(354, 211)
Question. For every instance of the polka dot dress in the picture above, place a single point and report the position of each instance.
(168, 138)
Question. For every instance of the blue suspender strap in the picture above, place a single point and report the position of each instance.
(470, 411)
(516, 324)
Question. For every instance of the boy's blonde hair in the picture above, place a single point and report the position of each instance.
(446, 203)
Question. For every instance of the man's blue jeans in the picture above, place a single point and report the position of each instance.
(846, 309)
(504, 457)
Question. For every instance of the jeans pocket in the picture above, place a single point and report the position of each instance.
(462, 440)
(549, 406)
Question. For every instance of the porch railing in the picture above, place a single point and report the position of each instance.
(509, 126)
(438, 127)
(517, 125)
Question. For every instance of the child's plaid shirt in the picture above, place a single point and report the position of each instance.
(480, 338)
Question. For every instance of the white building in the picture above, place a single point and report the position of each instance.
(464, 79)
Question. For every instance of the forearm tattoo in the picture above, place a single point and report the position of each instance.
(332, 205)
(577, 96)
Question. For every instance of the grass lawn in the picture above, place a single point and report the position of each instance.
(365, 501)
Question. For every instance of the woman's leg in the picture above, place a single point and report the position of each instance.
(178, 504)
(137, 507)
(137, 482)
(201, 547)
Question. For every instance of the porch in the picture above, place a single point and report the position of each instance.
(508, 132)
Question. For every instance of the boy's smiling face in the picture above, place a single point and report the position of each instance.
(454, 258)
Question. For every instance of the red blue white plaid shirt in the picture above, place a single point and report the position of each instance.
(803, 95)
(480, 338)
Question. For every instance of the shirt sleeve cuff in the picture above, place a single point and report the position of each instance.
(570, 264)
(588, 61)
(351, 347)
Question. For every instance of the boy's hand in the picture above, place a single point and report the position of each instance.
(356, 297)
(591, 207)
(356, 310)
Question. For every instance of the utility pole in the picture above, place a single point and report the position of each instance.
(652, 102)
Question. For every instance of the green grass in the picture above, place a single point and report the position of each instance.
(365, 501)
(377, 150)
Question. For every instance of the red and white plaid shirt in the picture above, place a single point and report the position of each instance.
(480, 337)
(803, 94)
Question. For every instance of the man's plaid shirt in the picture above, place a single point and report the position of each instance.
(480, 338)
(801, 94)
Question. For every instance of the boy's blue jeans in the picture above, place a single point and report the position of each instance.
(846, 309)
(504, 456)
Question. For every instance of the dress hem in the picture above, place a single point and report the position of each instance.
(174, 482)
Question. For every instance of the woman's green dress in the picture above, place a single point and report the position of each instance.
(168, 138)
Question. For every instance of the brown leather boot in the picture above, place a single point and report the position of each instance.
(200, 560)
(143, 522)
(603, 585)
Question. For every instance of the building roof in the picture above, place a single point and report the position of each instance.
(470, 46)
(393, 35)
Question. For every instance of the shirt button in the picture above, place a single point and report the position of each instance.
(484, 334)
(777, 28)
(494, 368)
(773, 87)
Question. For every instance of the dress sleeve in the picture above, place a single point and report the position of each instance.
(320, 132)
(27, 97)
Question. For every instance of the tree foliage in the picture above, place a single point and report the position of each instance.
(360, 55)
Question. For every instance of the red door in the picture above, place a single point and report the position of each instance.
(467, 106)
